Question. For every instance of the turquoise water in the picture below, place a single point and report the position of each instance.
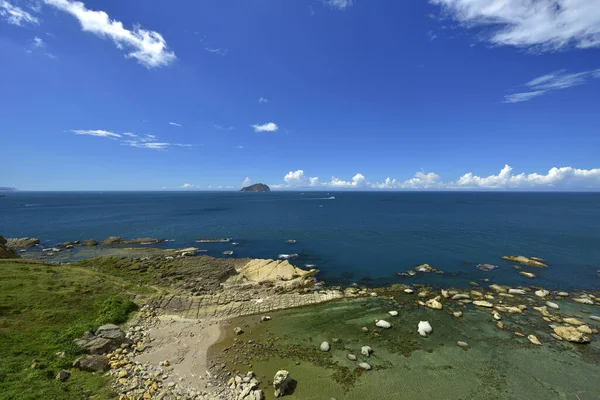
(365, 237)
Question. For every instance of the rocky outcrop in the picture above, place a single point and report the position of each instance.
(571, 334)
(117, 240)
(258, 187)
(5, 252)
(106, 339)
(281, 383)
(529, 261)
(278, 273)
(21, 243)
(89, 243)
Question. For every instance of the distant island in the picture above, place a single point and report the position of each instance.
(257, 187)
(7, 189)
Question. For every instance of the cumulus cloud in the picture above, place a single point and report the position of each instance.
(174, 124)
(268, 127)
(542, 25)
(97, 132)
(563, 178)
(187, 186)
(15, 15)
(339, 4)
(149, 48)
(557, 80)
(37, 42)
(263, 100)
(247, 182)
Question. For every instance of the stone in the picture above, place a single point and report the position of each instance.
(324, 346)
(351, 357)
(533, 339)
(21, 243)
(496, 316)
(393, 313)
(595, 318)
(555, 336)
(552, 305)
(543, 310)
(519, 334)
(424, 328)
(583, 300)
(409, 291)
(445, 293)
(516, 291)
(365, 366)
(364, 329)
(237, 330)
(542, 293)
(89, 243)
(63, 375)
(572, 321)
(500, 325)
(123, 374)
(265, 318)
(383, 324)
(457, 314)
(483, 303)
(461, 296)
(462, 344)
(366, 351)
(92, 363)
(571, 334)
(530, 261)
(527, 274)
(434, 304)
(585, 329)
(97, 345)
(497, 288)
(110, 331)
(281, 382)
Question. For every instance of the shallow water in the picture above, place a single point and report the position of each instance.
(365, 237)
(498, 364)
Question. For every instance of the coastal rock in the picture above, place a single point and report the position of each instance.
(496, 316)
(366, 351)
(111, 241)
(393, 313)
(434, 304)
(409, 291)
(585, 329)
(543, 310)
(351, 357)
(532, 262)
(21, 243)
(464, 345)
(527, 274)
(461, 296)
(497, 288)
(67, 244)
(365, 366)
(516, 291)
(256, 188)
(112, 332)
(92, 363)
(424, 328)
(563, 294)
(324, 346)
(542, 293)
(595, 318)
(89, 243)
(383, 324)
(583, 300)
(483, 303)
(571, 334)
(572, 321)
(116, 240)
(552, 305)
(457, 314)
(281, 382)
(533, 339)
(63, 375)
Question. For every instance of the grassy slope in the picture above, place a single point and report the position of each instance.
(42, 309)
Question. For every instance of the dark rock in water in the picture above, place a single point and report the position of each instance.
(111, 241)
(89, 242)
(258, 187)
(116, 240)
(92, 363)
(21, 243)
(67, 244)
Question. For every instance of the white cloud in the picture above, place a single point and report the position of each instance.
(174, 124)
(187, 186)
(222, 128)
(339, 4)
(97, 132)
(153, 145)
(239, 147)
(148, 138)
(15, 15)
(37, 42)
(268, 127)
(553, 81)
(542, 25)
(129, 134)
(564, 178)
(148, 47)
(247, 182)
(221, 52)
(263, 100)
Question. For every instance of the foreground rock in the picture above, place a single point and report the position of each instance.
(281, 383)
(63, 375)
(571, 334)
(324, 346)
(92, 363)
(5, 252)
(21, 243)
(106, 339)
(532, 262)
(424, 328)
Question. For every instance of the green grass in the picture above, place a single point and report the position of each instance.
(42, 309)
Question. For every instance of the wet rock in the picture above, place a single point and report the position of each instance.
(519, 334)
(571, 334)
(483, 303)
(552, 305)
(527, 274)
(393, 313)
(351, 357)
(585, 329)
(595, 318)
(365, 366)
(572, 321)
(543, 310)
(542, 293)
(533, 339)
(63, 375)
(434, 304)
(530, 261)
(92, 363)
(383, 324)
(424, 328)
(461, 296)
(366, 351)
(583, 300)
(324, 346)
(281, 383)
(516, 291)
(563, 294)
(457, 314)
(497, 288)
(462, 344)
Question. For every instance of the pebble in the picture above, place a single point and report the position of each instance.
(552, 305)
(351, 357)
(324, 346)
(393, 313)
(462, 344)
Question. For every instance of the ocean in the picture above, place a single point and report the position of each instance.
(362, 237)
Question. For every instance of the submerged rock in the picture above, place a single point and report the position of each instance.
(583, 300)
(595, 318)
(571, 334)
(281, 382)
(585, 329)
(527, 274)
(424, 328)
(563, 294)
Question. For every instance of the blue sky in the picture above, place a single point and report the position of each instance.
(321, 94)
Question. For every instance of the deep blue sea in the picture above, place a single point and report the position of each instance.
(364, 237)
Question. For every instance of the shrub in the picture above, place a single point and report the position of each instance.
(115, 310)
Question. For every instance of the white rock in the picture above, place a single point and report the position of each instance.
(365, 366)
(409, 291)
(595, 318)
(383, 324)
(324, 346)
(516, 291)
(563, 294)
(393, 313)
(424, 328)
(497, 316)
(462, 344)
(351, 357)
(542, 293)
(366, 351)
(552, 305)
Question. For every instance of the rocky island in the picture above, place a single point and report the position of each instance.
(257, 187)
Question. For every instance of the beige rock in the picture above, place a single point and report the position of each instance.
(483, 303)
(572, 321)
(571, 334)
(457, 314)
(477, 295)
(585, 329)
(498, 288)
(527, 274)
(460, 296)
(533, 339)
(258, 270)
(462, 344)
(519, 334)
(543, 310)
(434, 304)
(555, 336)
(583, 300)
(445, 293)
(500, 324)
(542, 293)
(517, 291)
(532, 262)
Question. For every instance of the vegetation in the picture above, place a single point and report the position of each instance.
(42, 309)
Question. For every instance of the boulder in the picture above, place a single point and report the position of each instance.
(552, 305)
(483, 303)
(542, 293)
(281, 382)
(571, 334)
(110, 331)
(563, 294)
(365, 366)
(63, 375)
(527, 274)
(461, 296)
(393, 313)
(530, 261)
(572, 321)
(595, 318)
(434, 304)
(497, 288)
(366, 351)
(409, 291)
(111, 241)
(583, 300)
(92, 363)
(383, 324)
(424, 328)
(67, 244)
(21, 243)
(516, 291)
(89, 243)
(324, 346)
(97, 345)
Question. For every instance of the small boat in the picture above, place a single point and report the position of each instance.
(228, 252)
(287, 256)
(291, 241)
(331, 198)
